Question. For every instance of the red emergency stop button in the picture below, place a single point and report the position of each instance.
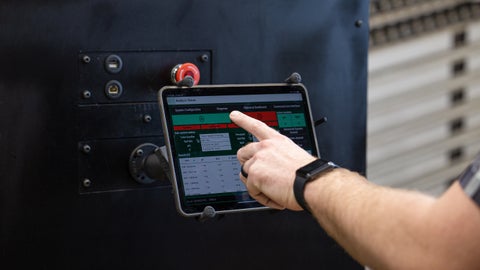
(180, 71)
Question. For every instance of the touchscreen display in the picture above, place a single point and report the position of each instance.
(203, 142)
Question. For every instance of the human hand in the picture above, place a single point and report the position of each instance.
(270, 163)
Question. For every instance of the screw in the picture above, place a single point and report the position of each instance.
(358, 23)
(139, 153)
(86, 94)
(86, 182)
(147, 118)
(204, 58)
(86, 59)
(86, 149)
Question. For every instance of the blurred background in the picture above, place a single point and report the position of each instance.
(424, 92)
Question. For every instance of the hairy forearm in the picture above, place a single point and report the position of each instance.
(382, 227)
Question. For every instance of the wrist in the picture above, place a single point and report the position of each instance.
(321, 194)
(306, 174)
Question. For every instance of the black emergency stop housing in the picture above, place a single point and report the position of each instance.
(78, 94)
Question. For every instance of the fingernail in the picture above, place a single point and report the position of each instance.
(234, 113)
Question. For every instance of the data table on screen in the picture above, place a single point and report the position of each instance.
(211, 175)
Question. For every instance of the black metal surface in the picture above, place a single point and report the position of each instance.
(49, 218)
(122, 106)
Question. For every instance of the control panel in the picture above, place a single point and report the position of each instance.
(117, 115)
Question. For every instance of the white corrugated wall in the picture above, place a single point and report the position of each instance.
(424, 92)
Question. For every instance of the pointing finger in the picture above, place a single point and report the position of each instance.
(256, 127)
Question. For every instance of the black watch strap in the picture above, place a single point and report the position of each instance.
(306, 174)
(298, 190)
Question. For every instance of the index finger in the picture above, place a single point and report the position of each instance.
(256, 127)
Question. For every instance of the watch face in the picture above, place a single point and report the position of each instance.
(314, 167)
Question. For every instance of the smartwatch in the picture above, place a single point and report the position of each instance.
(306, 174)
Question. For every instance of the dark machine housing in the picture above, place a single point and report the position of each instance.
(78, 93)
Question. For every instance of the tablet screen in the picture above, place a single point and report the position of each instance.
(202, 142)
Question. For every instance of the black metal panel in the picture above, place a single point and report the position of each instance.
(48, 220)
(142, 73)
(108, 124)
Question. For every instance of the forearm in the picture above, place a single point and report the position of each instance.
(381, 227)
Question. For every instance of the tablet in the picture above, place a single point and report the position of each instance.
(202, 142)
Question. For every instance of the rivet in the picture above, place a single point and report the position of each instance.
(358, 23)
(147, 118)
(204, 58)
(86, 148)
(86, 94)
(86, 182)
(86, 59)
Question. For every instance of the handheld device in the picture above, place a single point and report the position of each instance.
(202, 142)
